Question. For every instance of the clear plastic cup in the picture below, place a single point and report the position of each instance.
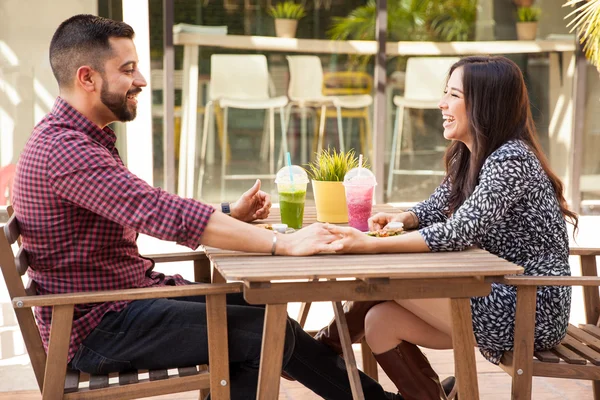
(359, 184)
(292, 194)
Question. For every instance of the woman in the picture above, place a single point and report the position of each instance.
(498, 194)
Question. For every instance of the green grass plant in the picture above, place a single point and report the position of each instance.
(287, 10)
(528, 14)
(331, 165)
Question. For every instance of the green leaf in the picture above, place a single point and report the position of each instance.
(287, 10)
(331, 165)
(586, 22)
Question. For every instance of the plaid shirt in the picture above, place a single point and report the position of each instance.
(80, 208)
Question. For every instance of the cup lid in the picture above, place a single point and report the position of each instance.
(298, 173)
(359, 176)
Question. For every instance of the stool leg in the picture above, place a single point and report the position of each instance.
(322, 127)
(224, 152)
(397, 123)
(264, 143)
(207, 121)
(284, 142)
(272, 141)
(369, 138)
(303, 135)
(340, 130)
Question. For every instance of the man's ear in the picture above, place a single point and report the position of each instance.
(86, 78)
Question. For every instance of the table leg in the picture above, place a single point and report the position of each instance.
(272, 352)
(349, 359)
(464, 352)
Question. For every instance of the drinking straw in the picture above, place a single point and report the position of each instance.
(359, 164)
(288, 161)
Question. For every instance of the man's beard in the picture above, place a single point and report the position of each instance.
(118, 104)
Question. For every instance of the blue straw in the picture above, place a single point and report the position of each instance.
(288, 160)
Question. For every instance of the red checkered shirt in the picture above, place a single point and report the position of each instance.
(80, 208)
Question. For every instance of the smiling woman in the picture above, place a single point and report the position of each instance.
(498, 194)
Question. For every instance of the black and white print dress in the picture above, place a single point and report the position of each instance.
(514, 214)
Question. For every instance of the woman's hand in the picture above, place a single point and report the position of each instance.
(351, 240)
(379, 220)
(313, 239)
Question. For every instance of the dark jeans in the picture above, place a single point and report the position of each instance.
(169, 333)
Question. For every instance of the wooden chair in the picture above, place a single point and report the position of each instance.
(57, 382)
(578, 355)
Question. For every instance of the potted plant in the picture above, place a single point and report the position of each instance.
(286, 16)
(527, 20)
(327, 176)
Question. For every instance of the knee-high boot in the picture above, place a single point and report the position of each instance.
(411, 372)
(355, 312)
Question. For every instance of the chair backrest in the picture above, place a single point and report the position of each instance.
(426, 77)
(7, 174)
(340, 83)
(13, 267)
(239, 76)
(306, 77)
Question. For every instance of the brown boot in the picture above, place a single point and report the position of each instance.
(411, 372)
(355, 312)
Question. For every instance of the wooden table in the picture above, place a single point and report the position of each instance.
(275, 281)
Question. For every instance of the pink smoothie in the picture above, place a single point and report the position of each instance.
(359, 199)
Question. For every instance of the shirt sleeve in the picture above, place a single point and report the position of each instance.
(502, 183)
(84, 173)
(434, 209)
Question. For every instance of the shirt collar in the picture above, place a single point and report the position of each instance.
(64, 110)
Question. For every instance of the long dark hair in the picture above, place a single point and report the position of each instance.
(498, 110)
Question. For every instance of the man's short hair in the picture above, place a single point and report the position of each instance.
(83, 40)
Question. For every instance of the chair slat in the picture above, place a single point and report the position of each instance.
(98, 381)
(582, 349)
(158, 374)
(188, 371)
(21, 261)
(584, 337)
(72, 381)
(591, 329)
(546, 356)
(568, 355)
(11, 230)
(128, 377)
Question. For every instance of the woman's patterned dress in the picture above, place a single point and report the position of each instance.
(514, 214)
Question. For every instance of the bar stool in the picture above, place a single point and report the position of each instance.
(424, 82)
(305, 91)
(241, 81)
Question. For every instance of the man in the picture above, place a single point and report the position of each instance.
(80, 210)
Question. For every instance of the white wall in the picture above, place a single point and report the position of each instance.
(25, 32)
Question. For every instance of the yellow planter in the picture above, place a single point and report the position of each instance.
(330, 200)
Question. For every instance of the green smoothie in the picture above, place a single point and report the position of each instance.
(291, 205)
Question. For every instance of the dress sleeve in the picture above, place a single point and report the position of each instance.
(86, 174)
(502, 182)
(435, 208)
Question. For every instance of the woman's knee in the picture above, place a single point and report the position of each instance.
(377, 322)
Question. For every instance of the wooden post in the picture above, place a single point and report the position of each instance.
(379, 107)
(168, 98)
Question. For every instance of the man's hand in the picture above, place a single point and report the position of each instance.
(254, 204)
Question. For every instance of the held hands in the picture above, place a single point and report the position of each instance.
(351, 240)
(254, 204)
(313, 239)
